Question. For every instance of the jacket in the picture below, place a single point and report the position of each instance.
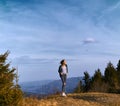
(60, 69)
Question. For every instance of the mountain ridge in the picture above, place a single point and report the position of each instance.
(49, 86)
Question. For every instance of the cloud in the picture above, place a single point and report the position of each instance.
(89, 40)
(114, 7)
(109, 16)
(27, 60)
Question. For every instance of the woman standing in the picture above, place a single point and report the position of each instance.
(63, 71)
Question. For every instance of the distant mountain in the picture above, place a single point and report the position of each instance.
(49, 87)
(33, 85)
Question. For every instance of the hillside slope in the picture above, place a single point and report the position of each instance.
(82, 99)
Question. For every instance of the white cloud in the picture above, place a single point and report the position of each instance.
(89, 40)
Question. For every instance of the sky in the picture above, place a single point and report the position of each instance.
(40, 33)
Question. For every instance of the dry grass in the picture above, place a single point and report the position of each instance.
(82, 99)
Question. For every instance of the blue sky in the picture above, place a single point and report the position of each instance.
(39, 33)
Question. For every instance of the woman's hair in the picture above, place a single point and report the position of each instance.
(62, 61)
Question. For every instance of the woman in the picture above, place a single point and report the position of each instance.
(63, 71)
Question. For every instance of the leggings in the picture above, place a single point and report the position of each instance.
(63, 78)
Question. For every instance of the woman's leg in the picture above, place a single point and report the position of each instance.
(63, 78)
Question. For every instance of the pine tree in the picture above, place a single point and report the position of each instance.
(118, 72)
(10, 92)
(111, 77)
(79, 87)
(86, 81)
(97, 82)
(118, 66)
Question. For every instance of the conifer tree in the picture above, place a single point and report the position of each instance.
(10, 92)
(86, 81)
(79, 87)
(118, 72)
(97, 82)
(111, 77)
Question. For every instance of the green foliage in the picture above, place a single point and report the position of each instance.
(111, 77)
(118, 72)
(97, 82)
(109, 82)
(118, 66)
(86, 81)
(79, 88)
(10, 92)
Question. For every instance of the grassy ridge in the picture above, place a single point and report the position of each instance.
(82, 99)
